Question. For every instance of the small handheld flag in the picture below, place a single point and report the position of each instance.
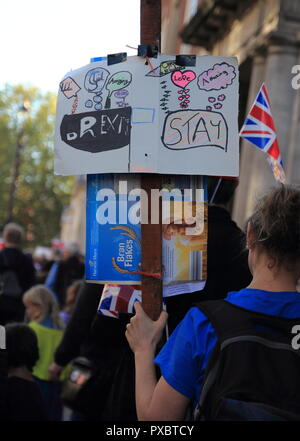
(116, 299)
(259, 129)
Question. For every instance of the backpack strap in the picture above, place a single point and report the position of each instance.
(229, 320)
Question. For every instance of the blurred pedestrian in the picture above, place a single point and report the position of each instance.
(109, 394)
(71, 297)
(21, 397)
(43, 313)
(17, 274)
(227, 256)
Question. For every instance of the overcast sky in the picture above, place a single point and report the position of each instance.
(42, 40)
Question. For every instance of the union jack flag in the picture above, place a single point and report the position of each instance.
(117, 299)
(259, 129)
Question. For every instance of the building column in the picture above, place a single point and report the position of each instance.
(243, 195)
(293, 153)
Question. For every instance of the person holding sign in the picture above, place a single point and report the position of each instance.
(273, 239)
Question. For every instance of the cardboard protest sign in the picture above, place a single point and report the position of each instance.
(184, 251)
(149, 118)
(113, 243)
(113, 231)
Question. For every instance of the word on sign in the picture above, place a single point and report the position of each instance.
(97, 131)
(186, 129)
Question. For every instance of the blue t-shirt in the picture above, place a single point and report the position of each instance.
(183, 358)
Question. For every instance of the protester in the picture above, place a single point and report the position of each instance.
(227, 257)
(109, 394)
(17, 274)
(63, 273)
(21, 397)
(273, 240)
(71, 297)
(43, 314)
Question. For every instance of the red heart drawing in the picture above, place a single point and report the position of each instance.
(182, 79)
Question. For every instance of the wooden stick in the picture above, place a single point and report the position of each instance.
(151, 234)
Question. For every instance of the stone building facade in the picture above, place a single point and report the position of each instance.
(73, 217)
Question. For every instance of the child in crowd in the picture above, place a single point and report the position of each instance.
(21, 397)
(71, 297)
(43, 313)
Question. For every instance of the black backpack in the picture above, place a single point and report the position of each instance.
(9, 282)
(254, 371)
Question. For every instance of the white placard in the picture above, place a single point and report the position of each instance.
(149, 118)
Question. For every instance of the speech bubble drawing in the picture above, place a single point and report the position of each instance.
(69, 87)
(95, 79)
(121, 93)
(219, 77)
(118, 81)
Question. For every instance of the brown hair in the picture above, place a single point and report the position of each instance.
(276, 224)
(13, 233)
(71, 295)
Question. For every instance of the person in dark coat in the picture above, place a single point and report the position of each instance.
(14, 259)
(109, 394)
(227, 257)
(21, 398)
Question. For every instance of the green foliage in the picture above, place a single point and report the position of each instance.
(40, 196)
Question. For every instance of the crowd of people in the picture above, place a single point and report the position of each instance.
(34, 315)
(129, 368)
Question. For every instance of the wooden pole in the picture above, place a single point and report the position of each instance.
(151, 234)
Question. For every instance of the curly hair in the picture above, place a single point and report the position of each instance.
(21, 346)
(276, 224)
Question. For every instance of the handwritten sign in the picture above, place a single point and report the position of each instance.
(128, 118)
(187, 129)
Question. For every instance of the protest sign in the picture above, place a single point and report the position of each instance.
(155, 117)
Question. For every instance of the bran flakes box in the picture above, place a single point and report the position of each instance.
(113, 243)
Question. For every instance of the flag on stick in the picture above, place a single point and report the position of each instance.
(259, 129)
(118, 299)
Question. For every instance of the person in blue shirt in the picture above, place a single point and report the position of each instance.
(273, 240)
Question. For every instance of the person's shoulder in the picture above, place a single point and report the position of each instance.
(195, 318)
(17, 386)
(25, 401)
(41, 328)
(37, 327)
(220, 215)
(27, 257)
(21, 383)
